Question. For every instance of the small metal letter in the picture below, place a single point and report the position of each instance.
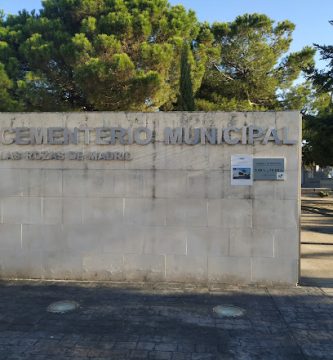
(137, 137)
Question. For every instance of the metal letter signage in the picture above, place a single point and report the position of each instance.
(144, 135)
(34, 139)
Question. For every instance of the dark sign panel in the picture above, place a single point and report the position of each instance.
(268, 168)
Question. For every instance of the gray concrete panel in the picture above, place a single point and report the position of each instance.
(164, 212)
(228, 269)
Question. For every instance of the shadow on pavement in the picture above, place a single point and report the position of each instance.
(314, 281)
(317, 210)
(123, 321)
(318, 254)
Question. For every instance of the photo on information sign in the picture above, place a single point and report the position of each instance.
(241, 173)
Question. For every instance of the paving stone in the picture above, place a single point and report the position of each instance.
(187, 348)
(181, 356)
(139, 321)
(202, 356)
(145, 345)
(139, 354)
(166, 347)
(160, 355)
(125, 345)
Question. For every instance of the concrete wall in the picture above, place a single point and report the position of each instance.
(170, 214)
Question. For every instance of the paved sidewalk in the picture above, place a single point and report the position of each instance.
(317, 242)
(171, 322)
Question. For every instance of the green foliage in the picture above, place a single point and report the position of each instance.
(7, 103)
(185, 98)
(323, 194)
(304, 97)
(324, 78)
(99, 55)
(129, 55)
(318, 140)
(296, 97)
(318, 128)
(249, 71)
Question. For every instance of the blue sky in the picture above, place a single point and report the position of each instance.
(311, 17)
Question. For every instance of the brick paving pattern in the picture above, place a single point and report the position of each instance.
(164, 322)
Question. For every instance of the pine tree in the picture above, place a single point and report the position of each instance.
(323, 79)
(252, 67)
(98, 55)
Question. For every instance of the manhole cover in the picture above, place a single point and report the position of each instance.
(61, 307)
(228, 311)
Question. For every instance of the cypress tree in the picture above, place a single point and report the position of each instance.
(186, 97)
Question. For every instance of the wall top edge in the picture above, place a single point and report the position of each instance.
(296, 112)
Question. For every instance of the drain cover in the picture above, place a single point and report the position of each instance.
(61, 307)
(228, 311)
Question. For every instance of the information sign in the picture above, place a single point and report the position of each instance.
(269, 168)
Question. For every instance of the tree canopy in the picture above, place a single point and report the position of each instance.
(79, 55)
(318, 140)
(323, 79)
(252, 66)
(99, 55)
(318, 125)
